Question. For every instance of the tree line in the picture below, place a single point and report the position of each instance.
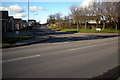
(106, 15)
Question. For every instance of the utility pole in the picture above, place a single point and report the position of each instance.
(28, 14)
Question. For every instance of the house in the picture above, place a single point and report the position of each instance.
(93, 22)
(88, 19)
(11, 23)
(93, 19)
(24, 24)
(31, 23)
(4, 20)
(18, 24)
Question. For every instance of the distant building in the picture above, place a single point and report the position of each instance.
(93, 22)
(18, 23)
(24, 24)
(89, 19)
(4, 20)
(31, 23)
(11, 23)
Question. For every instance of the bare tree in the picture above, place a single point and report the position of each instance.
(78, 14)
(75, 15)
(114, 14)
(51, 19)
(95, 11)
(109, 11)
(58, 17)
(99, 11)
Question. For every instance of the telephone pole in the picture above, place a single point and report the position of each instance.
(28, 14)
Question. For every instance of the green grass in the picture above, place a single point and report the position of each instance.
(53, 27)
(110, 31)
(91, 31)
(14, 39)
(69, 30)
(88, 31)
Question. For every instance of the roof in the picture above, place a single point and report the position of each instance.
(17, 19)
(32, 20)
(24, 21)
(10, 17)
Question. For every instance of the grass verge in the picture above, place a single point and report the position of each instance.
(91, 31)
(70, 30)
(53, 27)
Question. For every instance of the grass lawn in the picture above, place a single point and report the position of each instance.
(14, 39)
(69, 30)
(53, 27)
(110, 31)
(91, 31)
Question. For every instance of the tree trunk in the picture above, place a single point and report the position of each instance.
(97, 25)
(80, 24)
(116, 26)
(103, 25)
(85, 25)
(77, 26)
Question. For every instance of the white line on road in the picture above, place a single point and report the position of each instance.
(73, 49)
(60, 42)
(82, 47)
(20, 58)
(89, 46)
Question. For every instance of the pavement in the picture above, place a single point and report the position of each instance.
(38, 36)
(27, 41)
(18, 33)
(51, 37)
(69, 36)
(66, 59)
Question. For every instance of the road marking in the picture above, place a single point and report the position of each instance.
(88, 46)
(81, 48)
(20, 58)
(60, 42)
(73, 49)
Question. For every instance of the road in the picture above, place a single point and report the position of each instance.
(43, 29)
(72, 59)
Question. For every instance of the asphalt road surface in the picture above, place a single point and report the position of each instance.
(72, 59)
